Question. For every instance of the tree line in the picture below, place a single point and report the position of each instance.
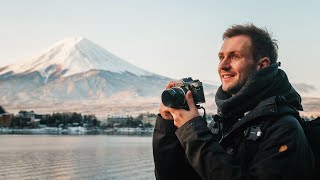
(57, 120)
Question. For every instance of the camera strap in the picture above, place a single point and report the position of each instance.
(204, 117)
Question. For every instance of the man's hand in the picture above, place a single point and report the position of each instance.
(164, 111)
(181, 116)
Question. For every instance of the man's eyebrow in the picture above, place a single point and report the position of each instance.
(230, 52)
(220, 53)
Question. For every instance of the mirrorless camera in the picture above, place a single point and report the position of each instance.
(175, 96)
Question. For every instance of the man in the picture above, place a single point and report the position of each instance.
(255, 134)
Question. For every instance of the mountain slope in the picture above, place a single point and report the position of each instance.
(72, 56)
(72, 71)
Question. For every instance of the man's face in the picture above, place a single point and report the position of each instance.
(236, 63)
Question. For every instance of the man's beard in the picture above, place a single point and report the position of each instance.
(241, 82)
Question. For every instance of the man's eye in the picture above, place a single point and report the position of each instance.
(221, 58)
(234, 56)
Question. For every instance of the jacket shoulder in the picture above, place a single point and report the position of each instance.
(285, 124)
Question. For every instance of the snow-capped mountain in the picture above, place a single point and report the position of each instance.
(72, 56)
(72, 71)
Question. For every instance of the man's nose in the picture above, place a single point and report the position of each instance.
(224, 64)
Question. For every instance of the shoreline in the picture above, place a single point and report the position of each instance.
(79, 131)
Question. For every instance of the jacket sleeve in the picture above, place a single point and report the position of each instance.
(169, 156)
(206, 156)
(211, 161)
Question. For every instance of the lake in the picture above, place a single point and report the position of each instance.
(75, 157)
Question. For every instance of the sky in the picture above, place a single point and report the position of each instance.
(174, 38)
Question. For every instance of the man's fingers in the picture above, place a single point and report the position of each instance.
(170, 84)
(164, 111)
(190, 101)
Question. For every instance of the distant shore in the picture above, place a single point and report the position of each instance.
(79, 131)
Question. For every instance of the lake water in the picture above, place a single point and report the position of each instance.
(75, 157)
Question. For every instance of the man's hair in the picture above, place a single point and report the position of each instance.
(262, 43)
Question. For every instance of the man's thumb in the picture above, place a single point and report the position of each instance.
(190, 100)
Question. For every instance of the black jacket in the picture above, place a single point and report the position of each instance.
(192, 151)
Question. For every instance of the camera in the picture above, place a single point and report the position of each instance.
(175, 96)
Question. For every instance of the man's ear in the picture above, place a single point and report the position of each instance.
(262, 63)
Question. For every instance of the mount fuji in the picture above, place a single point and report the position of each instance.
(72, 56)
(77, 74)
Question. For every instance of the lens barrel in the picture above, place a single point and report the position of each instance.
(174, 97)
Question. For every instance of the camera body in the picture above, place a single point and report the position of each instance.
(175, 96)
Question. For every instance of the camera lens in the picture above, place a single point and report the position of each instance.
(174, 97)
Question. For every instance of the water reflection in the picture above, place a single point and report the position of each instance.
(75, 157)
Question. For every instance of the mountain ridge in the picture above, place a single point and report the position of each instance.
(72, 56)
(78, 75)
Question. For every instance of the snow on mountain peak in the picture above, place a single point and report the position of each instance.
(72, 56)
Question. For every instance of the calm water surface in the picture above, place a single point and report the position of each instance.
(75, 157)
